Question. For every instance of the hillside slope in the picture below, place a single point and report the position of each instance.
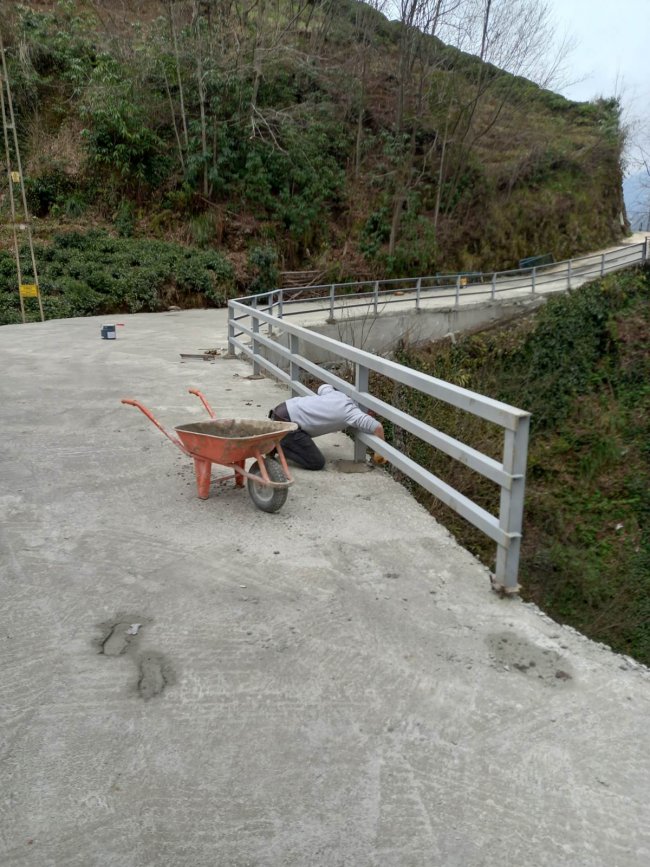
(301, 136)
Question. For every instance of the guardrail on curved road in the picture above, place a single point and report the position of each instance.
(455, 289)
(273, 344)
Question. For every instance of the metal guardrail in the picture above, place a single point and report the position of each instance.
(270, 310)
(367, 297)
(534, 261)
(273, 344)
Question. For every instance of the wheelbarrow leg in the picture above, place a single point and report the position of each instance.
(203, 471)
(239, 479)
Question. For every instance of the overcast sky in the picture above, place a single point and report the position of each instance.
(611, 58)
(612, 51)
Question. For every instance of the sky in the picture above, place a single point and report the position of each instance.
(611, 57)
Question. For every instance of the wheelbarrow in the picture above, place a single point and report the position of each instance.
(230, 442)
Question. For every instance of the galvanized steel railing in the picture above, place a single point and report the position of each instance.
(370, 296)
(249, 317)
(273, 344)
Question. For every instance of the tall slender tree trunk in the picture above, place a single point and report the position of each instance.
(257, 62)
(174, 123)
(178, 75)
(359, 136)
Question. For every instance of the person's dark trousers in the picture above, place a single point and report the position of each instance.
(298, 446)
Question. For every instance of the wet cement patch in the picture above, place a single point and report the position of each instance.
(516, 653)
(351, 467)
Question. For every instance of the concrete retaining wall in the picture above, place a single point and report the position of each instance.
(382, 334)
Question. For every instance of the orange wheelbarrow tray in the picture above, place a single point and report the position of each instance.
(231, 442)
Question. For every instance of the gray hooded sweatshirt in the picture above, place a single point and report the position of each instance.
(328, 411)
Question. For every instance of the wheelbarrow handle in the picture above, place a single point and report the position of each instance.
(203, 400)
(155, 421)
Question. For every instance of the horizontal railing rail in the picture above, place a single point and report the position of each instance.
(274, 345)
(368, 296)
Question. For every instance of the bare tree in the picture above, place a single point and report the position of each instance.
(517, 36)
(366, 20)
(199, 50)
(179, 76)
(421, 22)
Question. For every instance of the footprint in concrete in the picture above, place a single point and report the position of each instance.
(515, 652)
(120, 637)
(155, 674)
(120, 633)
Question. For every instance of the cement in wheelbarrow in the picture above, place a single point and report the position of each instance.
(229, 441)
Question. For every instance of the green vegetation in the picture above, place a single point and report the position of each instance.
(581, 365)
(320, 131)
(94, 273)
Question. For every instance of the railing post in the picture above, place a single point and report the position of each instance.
(231, 332)
(256, 327)
(331, 319)
(418, 288)
(494, 285)
(457, 290)
(361, 384)
(294, 367)
(280, 302)
(602, 265)
(645, 247)
(376, 296)
(568, 275)
(511, 510)
(269, 310)
(533, 276)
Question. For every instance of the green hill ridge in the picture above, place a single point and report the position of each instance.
(297, 135)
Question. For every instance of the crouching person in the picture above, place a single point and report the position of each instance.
(317, 414)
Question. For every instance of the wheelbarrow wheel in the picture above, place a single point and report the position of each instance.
(265, 497)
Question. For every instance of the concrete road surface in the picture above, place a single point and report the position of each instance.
(189, 682)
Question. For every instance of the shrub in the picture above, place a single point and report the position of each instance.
(125, 219)
(263, 263)
(46, 190)
(94, 273)
(573, 332)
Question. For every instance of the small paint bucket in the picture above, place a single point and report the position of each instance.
(109, 332)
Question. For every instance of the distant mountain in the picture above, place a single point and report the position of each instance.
(636, 191)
